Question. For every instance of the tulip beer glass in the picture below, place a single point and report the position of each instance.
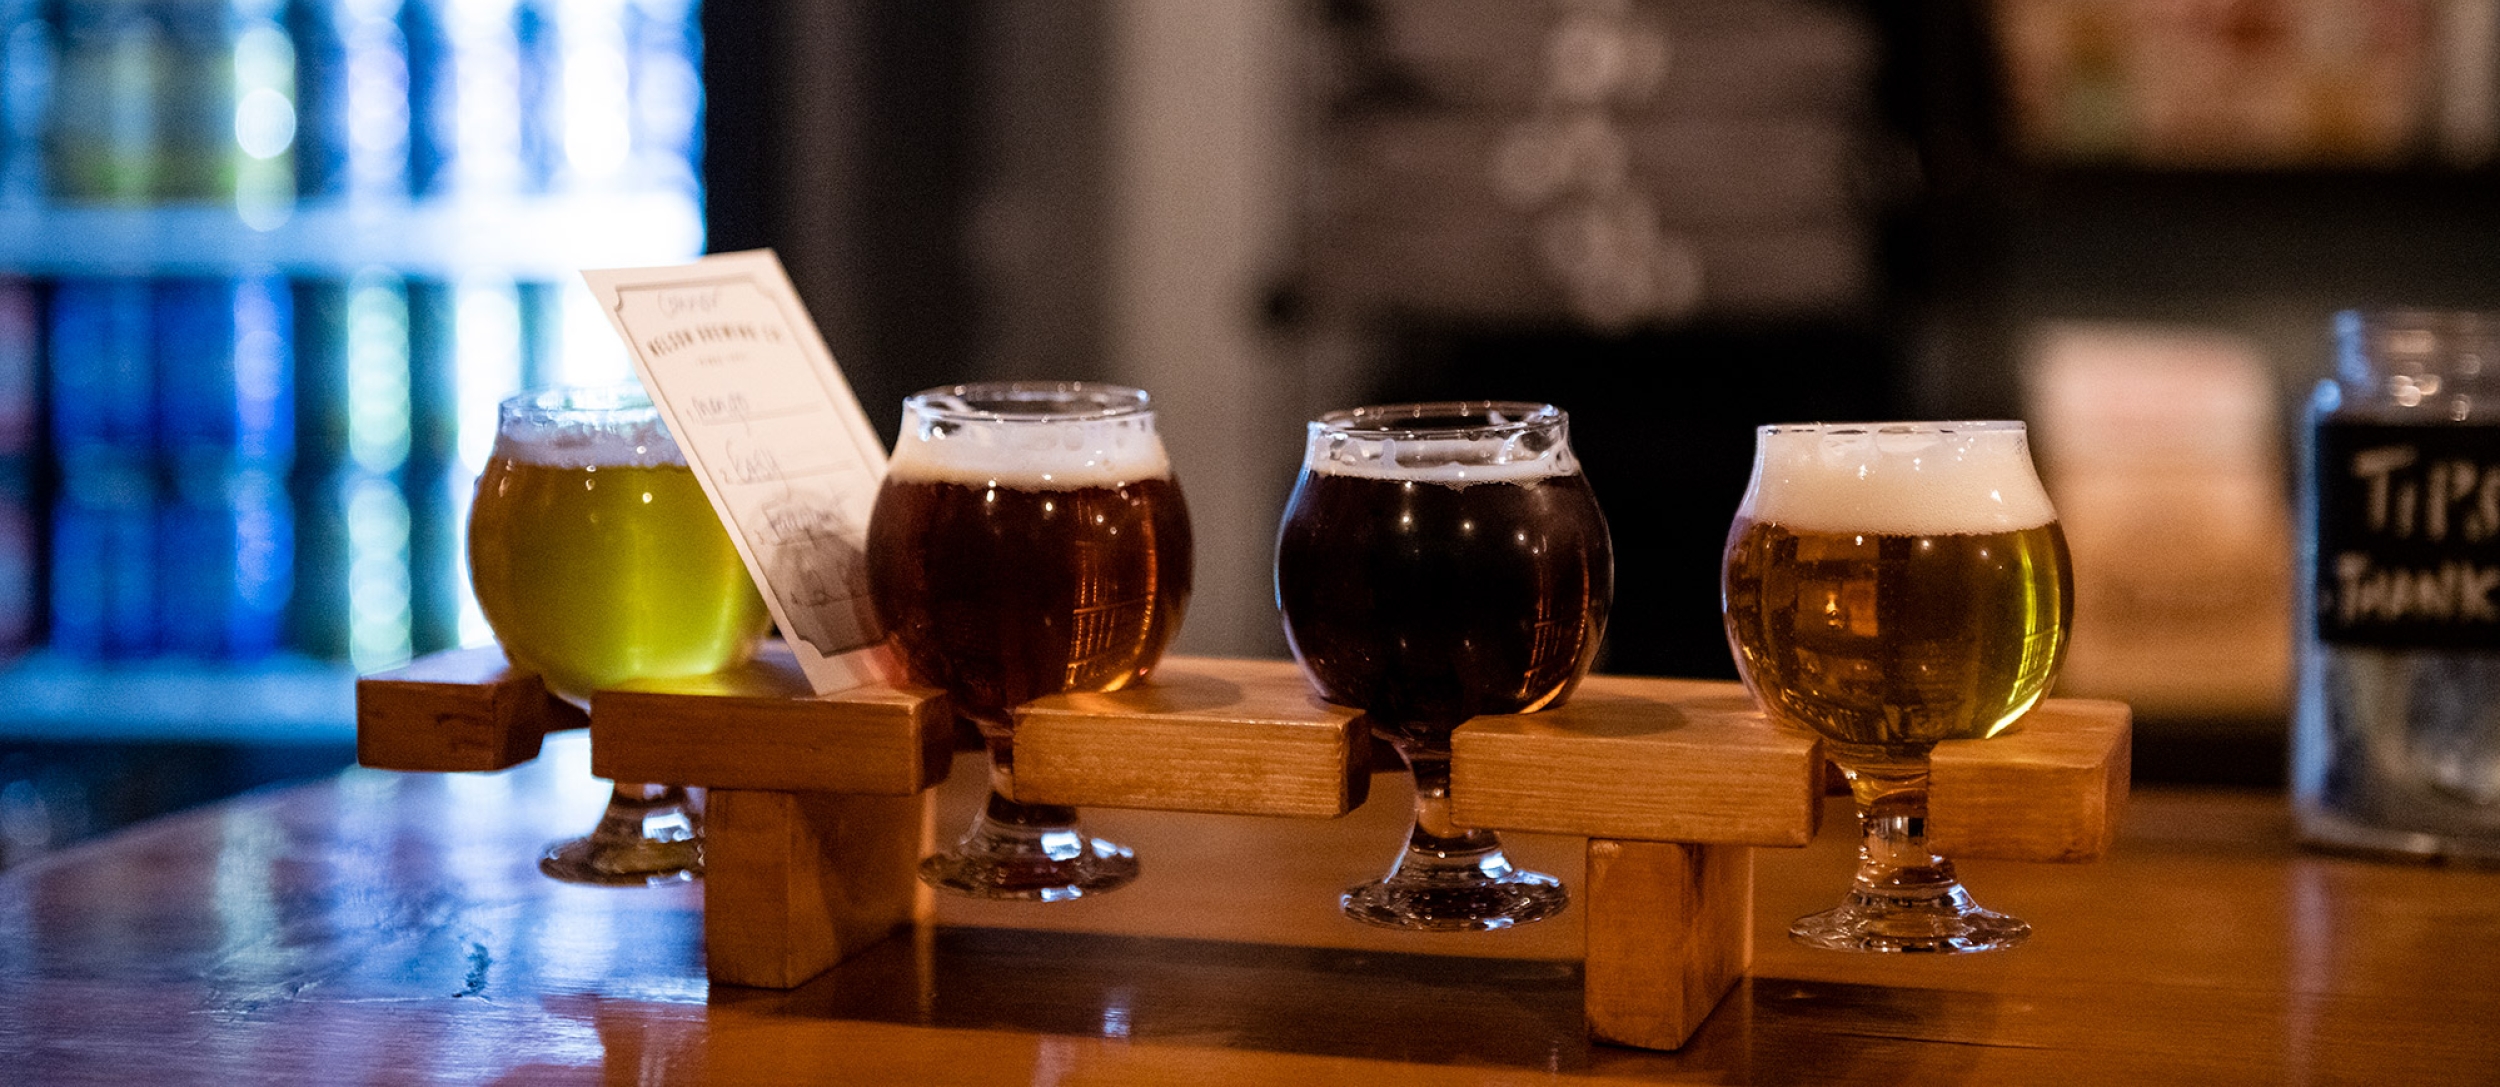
(1029, 539)
(1439, 562)
(1889, 586)
(597, 560)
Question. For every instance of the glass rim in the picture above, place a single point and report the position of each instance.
(1107, 400)
(1370, 421)
(1907, 426)
(558, 401)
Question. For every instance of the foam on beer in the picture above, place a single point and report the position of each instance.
(645, 445)
(1453, 461)
(1928, 480)
(1059, 457)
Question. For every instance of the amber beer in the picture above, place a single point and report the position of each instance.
(1007, 584)
(1431, 601)
(1896, 597)
(601, 563)
(1029, 539)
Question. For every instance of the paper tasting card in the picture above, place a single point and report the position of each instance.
(776, 436)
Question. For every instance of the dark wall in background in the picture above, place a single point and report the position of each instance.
(1663, 423)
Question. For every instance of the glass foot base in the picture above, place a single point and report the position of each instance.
(635, 862)
(1472, 905)
(1050, 867)
(1932, 928)
(649, 834)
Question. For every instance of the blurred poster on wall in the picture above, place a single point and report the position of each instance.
(2159, 446)
(2251, 83)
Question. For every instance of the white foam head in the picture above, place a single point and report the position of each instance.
(1497, 443)
(949, 437)
(1909, 479)
(582, 427)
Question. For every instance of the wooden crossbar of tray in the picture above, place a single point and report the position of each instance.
(816, 802)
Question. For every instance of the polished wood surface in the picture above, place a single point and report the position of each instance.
(392, 928)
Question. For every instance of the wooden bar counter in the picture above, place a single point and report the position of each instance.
(392, 928)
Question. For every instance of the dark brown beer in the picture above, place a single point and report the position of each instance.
(1427, 602)
(1002, 593)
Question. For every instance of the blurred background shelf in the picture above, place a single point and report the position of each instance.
(549, 237)
(266, 268)
(287, 700)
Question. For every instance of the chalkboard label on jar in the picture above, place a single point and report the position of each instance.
(2408, 551)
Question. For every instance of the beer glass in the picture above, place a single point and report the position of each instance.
(597, 560)
(1891, 585)
(1438, 562)
(1029, 539)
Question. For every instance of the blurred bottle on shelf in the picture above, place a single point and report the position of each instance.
(21, 358)
(195, 109)
(317, 618)
(28, 55)
(21, 366)
(226, 546)
(103, 386)
(437, 577)
(227, 121)
(102, 145)
(357, 598)
(173, 424)
(353, 98)
(226, 434)
(665, 50)
(466, 83)
(103, 401)
(580, 135)
(225, 391)
(104, 564)
(263, 128)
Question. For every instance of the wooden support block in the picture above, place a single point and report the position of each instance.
(796, 882)
(1658, 760)
(1670, 931)
(758, 726)
(462, 710)
(2050, 788)
(1234, 737)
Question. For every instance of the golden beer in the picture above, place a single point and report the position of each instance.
(1890, 640)
(1890, 586)
(596, 574)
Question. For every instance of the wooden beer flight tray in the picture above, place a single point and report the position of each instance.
(815, 809)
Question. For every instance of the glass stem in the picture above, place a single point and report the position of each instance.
(1434, 833)
(1894, 862)
(1002, 810)
(638, 811)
